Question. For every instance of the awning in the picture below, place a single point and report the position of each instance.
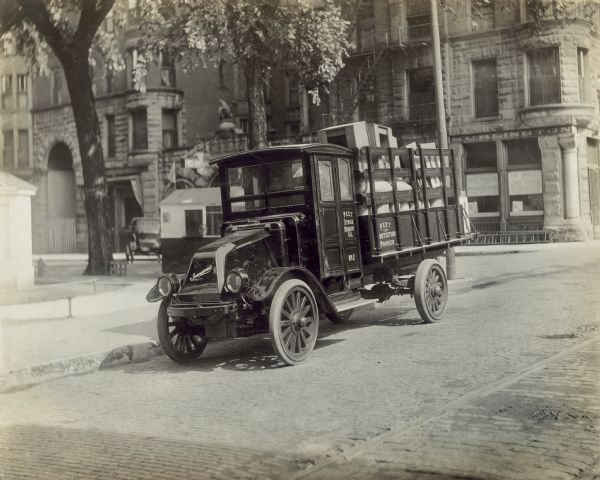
(193, 196)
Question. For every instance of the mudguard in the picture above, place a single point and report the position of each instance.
(153, 295)
(267, 285)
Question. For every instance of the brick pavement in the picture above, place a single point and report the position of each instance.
(542, 424)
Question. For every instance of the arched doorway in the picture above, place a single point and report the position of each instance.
(59, 228)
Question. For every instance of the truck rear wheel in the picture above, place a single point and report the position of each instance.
(293, 321)
(431, 291)
(180, 340)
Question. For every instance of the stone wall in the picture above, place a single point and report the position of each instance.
(56, 124)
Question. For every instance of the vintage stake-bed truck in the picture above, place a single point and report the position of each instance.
(310, 229)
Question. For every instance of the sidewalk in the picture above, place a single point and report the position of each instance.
(115, 325)
(39, 340)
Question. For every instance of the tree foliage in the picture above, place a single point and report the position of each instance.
(254, 35)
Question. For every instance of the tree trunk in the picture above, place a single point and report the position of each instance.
(97, 202)
(255, 86)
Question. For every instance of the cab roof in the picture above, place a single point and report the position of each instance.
(302, 147)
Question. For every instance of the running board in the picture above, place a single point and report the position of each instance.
(342, 306)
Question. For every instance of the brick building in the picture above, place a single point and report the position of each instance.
(522, 106)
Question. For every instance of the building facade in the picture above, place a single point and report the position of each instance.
(522, 110)
(522, 104)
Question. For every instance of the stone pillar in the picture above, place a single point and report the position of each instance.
(568, 146)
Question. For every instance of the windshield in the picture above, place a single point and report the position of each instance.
(259, 181)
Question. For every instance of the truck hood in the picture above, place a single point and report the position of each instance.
(207, 266)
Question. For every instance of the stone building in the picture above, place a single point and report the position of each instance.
(522, 113)
(522, 105)
(142, 134)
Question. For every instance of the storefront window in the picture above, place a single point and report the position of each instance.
(481, 175)
(524, 161)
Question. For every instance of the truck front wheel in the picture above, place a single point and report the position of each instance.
(293, 321)
(180, 340)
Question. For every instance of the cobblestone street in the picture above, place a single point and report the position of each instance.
(506, 386)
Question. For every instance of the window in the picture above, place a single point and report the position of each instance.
(485, 79)
(524, 160)
(583, 74)
(245, 125)
(194, 224)
(275, 184)
(221, 73)
(481, 176)
(56, 84)
(293, 129)
(293, 91)
(421, 97)
(23, 148)
(167, 70)
(109, 78)
(326, 180)
(284, 176)
(544, 78)
(523, 153)
(139, 129)
(110, 136)
(8, 148)
(132, 61)
(7, 94)
(214, 219)
(594, 180)
(344, 178)
(22, 102)
(246, 181)
(482, 15)
(418, 20)
(169, 128)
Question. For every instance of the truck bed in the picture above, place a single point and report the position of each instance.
(410, 204)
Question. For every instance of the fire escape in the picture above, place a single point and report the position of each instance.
(355, 89)
(351, 89)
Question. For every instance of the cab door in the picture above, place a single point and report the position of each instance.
(339, 250)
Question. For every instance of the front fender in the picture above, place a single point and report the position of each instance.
(266, 286)
(153, 295)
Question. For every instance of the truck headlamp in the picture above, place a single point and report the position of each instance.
(236, 280)
(167, 285)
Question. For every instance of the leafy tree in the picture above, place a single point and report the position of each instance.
(254, 35)
(561, 10)
(69, 28)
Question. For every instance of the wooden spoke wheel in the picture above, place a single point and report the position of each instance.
(180, 340)
(431, 291)
(293, 321)
(340, 317)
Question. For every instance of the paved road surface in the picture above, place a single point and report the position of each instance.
(506, 386)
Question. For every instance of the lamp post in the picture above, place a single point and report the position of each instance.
(441, 111)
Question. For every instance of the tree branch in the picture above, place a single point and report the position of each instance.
(92, 15)
(36, 11)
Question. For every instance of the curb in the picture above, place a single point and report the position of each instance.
(128, 354)
(496, 252)
(460, 285)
